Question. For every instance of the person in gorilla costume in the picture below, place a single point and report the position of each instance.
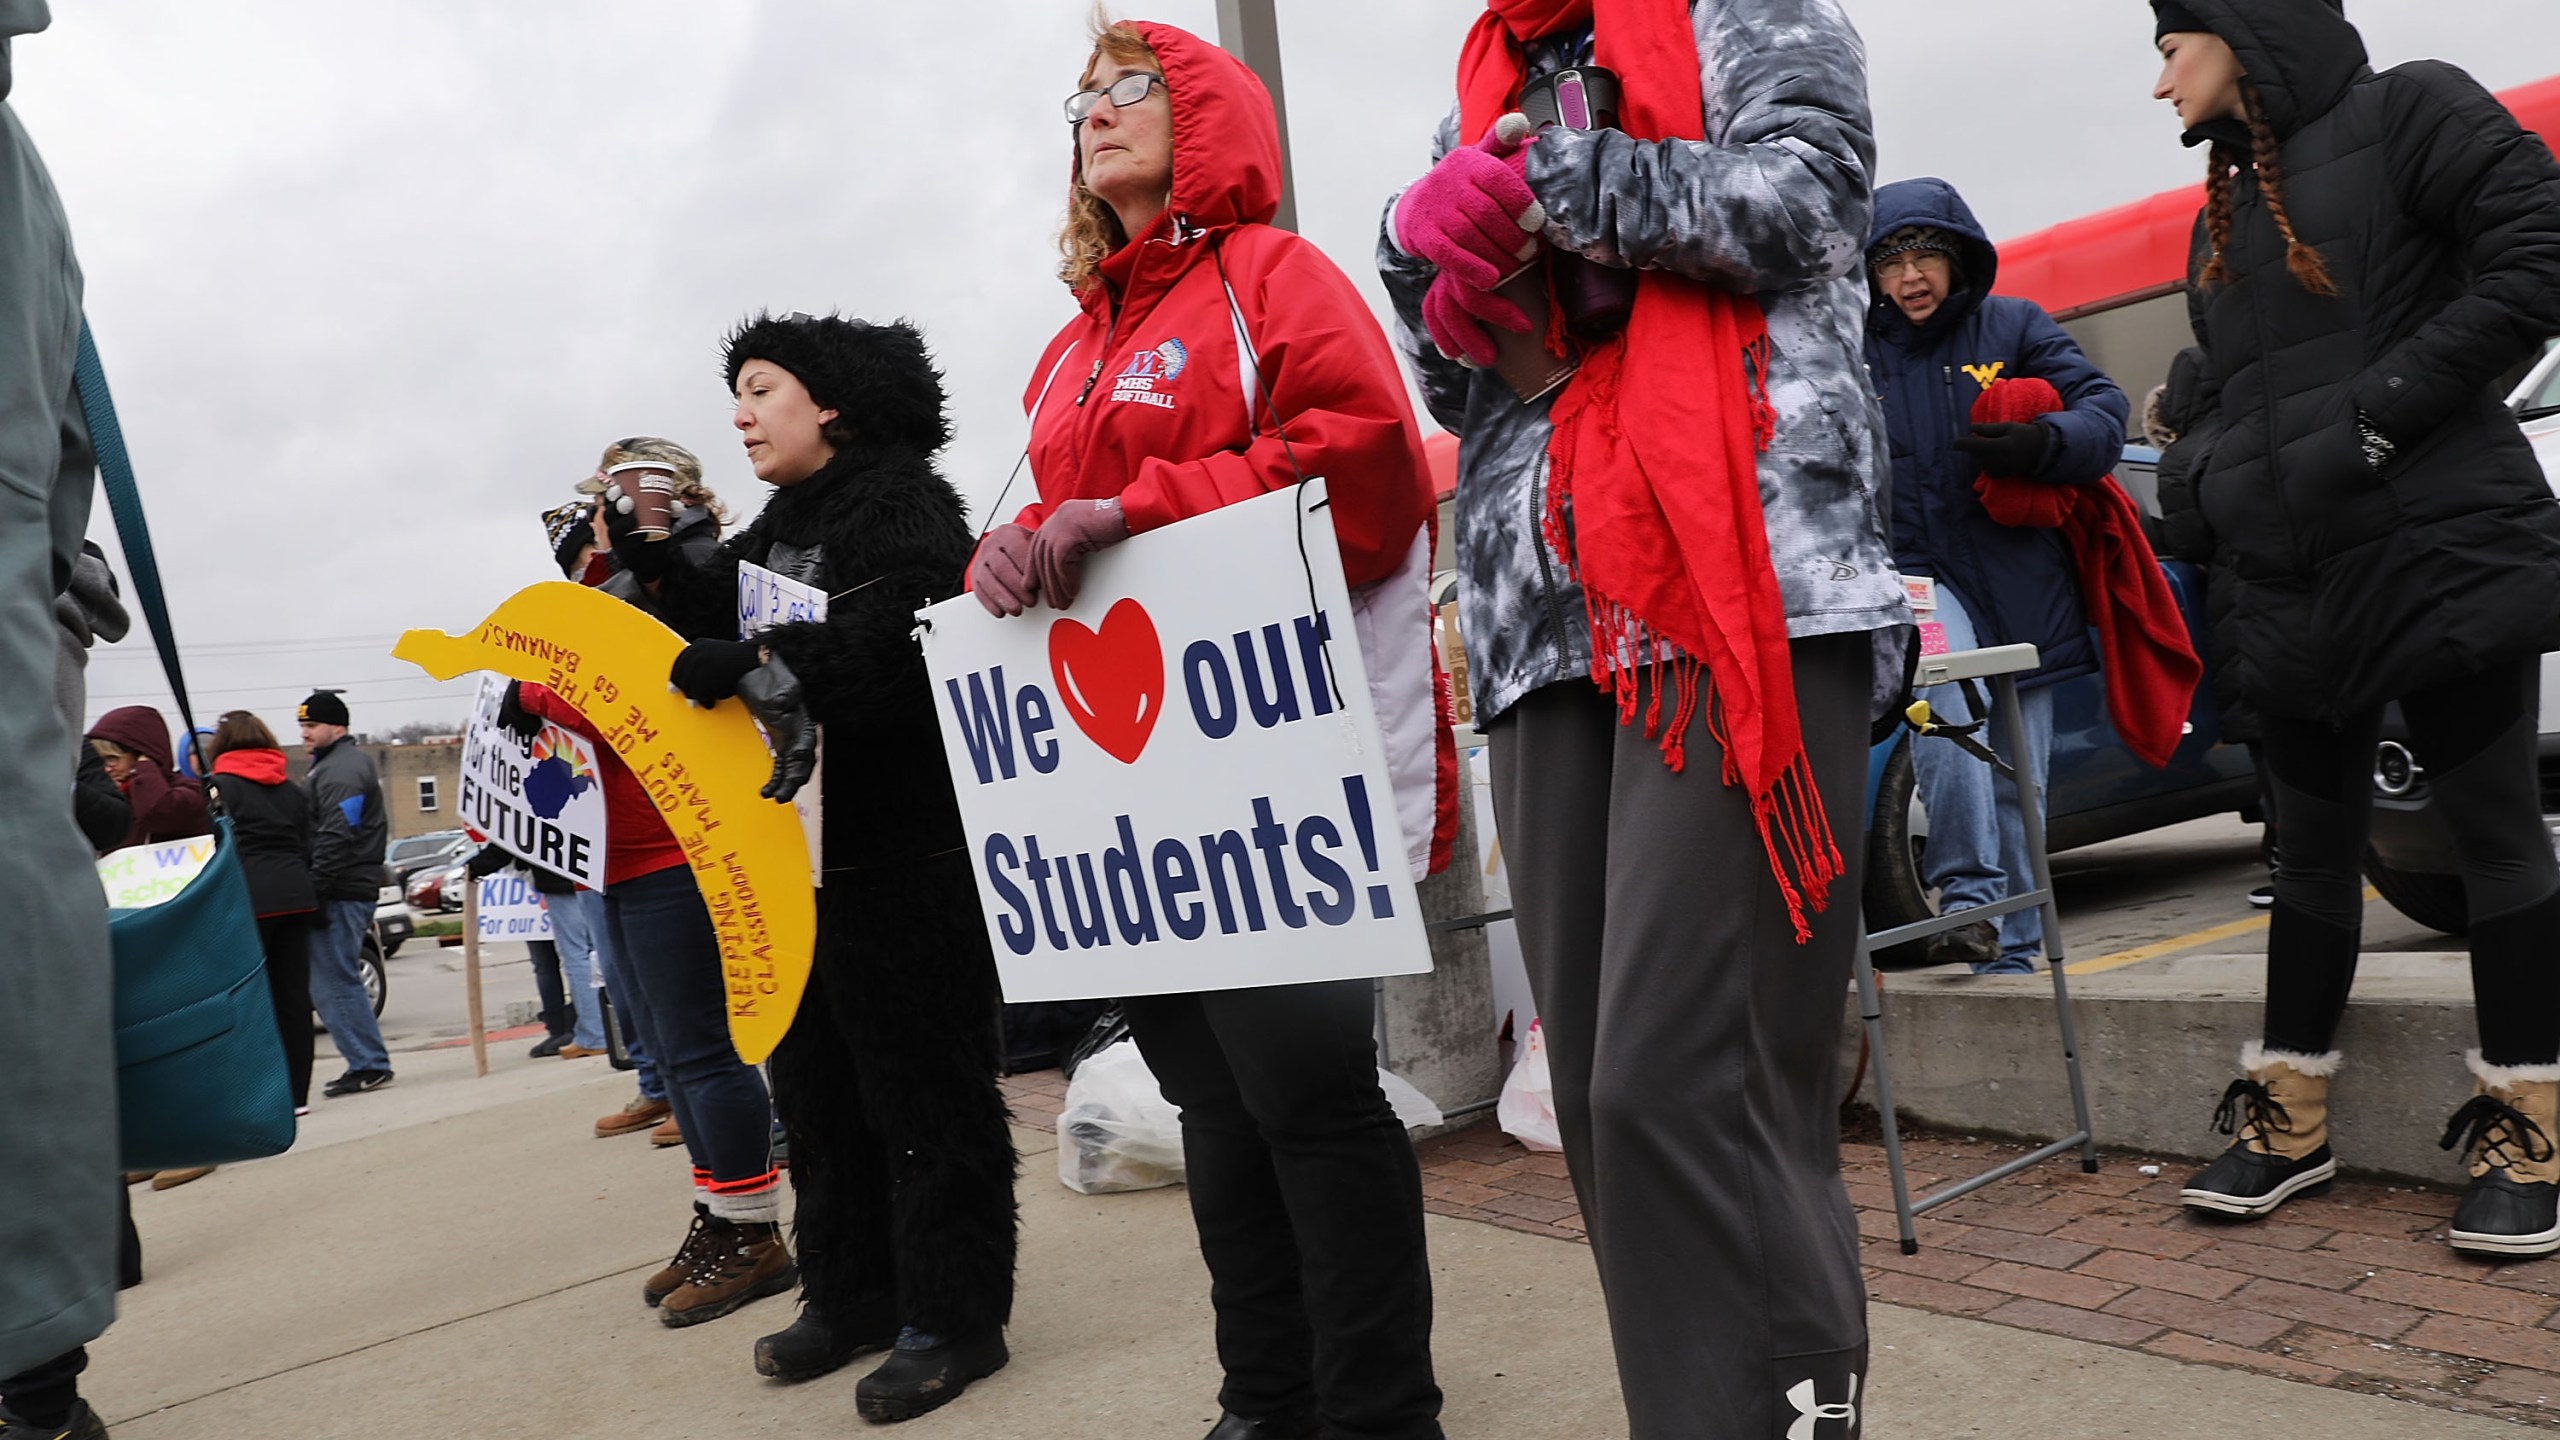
(886, 1083)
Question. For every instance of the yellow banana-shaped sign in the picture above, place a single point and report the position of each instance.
(703, 768)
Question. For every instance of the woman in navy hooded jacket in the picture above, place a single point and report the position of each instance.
(1936, 338)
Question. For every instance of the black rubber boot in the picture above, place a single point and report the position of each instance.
(1232, 1426)
(926, 1372)
(812, 1346)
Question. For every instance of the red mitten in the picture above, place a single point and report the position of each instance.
(1473, 214)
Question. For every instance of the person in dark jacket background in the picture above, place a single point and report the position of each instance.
(901, 1162)
(350, 828)
(133, 740)
(2374, 249)
(1936, 338)
(271, 823)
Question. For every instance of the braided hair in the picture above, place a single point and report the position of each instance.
(2221, 176)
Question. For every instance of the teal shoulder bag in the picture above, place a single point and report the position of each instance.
(199, 1067)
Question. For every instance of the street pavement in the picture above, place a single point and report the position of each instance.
(457, 1255)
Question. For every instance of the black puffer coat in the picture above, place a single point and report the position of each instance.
(2439, 219)
(2189, 412)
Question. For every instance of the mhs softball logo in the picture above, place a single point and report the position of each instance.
(1143, 379)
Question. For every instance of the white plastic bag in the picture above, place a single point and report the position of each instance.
(1117, 1132)
(1527, 1111)
(1412, 1107)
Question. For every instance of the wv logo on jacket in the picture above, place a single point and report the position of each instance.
(1983, 375)
(1148, 369)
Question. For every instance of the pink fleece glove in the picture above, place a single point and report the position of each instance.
(1000, 576)
(1456, 313)
(1473, 214)
(1073, 531)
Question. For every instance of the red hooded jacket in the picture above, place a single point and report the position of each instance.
(1152, 394)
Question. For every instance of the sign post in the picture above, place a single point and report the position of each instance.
(1178, 783)
(471, 980)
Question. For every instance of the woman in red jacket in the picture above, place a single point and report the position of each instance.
(1259, 364)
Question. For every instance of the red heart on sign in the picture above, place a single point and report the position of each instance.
(1111, 679)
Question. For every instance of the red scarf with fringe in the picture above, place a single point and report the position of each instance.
(1656, 449)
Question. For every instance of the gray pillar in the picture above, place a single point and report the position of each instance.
(1248, 30)
(1436, 1030)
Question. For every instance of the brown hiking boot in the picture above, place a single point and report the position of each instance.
(732, 1265)
(2509, 1132)
(668, 1133)
(670, 1276)
(172, 1179)
(2278, 1116)
(640, 1114)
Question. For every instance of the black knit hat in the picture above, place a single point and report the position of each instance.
(879, 379)
(570, 531)
(323, 708)
(2175, 17)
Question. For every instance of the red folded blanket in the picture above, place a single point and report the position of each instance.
(2150, 665)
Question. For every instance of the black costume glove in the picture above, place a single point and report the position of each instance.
(2010, 451)
(514, 718)
(772, 694)
(488, 862)
(709, 670)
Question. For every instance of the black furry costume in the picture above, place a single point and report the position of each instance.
(900, 1156)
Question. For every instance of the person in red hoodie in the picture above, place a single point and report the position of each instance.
(1216, 359)
(661, 933)
(167, 805)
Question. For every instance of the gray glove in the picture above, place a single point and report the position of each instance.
(772, 694)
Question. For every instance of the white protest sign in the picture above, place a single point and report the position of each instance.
(1165, 787)
(511, 909)
(146, 875)
(541, 802)
(765, 600)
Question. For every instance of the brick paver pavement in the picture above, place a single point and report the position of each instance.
(2355, 1289)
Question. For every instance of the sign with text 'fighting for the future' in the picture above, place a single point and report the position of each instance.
(1178, 783)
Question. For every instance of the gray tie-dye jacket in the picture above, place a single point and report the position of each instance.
(1775, 202)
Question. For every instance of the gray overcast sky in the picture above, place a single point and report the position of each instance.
(374, 283)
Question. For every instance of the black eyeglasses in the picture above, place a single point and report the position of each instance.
(1124, 92)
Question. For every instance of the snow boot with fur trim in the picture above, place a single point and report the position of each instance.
(2507, 1129)
(2278, 1112)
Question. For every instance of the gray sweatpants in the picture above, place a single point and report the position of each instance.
(57, 1046)
(1694, 1048)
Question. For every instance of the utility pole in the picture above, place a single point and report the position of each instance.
(1248, 30)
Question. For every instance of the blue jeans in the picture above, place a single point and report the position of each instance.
(573, 936)
(337, 984)
(1977, 850)
(577, 921)
(669, 954)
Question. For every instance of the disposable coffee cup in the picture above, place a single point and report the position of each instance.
(645, 491)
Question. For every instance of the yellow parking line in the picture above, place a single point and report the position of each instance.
(2175, 943)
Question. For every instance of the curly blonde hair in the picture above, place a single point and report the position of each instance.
(1092, 231)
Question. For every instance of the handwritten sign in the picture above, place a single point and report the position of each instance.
(511, 909)
(701, 768)
(1178, 783)
(765, 600)
(146, 875)
(540, 800)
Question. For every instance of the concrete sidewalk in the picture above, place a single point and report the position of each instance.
(458, 1257)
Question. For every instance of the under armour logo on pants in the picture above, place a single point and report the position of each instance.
(1811, 1412)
